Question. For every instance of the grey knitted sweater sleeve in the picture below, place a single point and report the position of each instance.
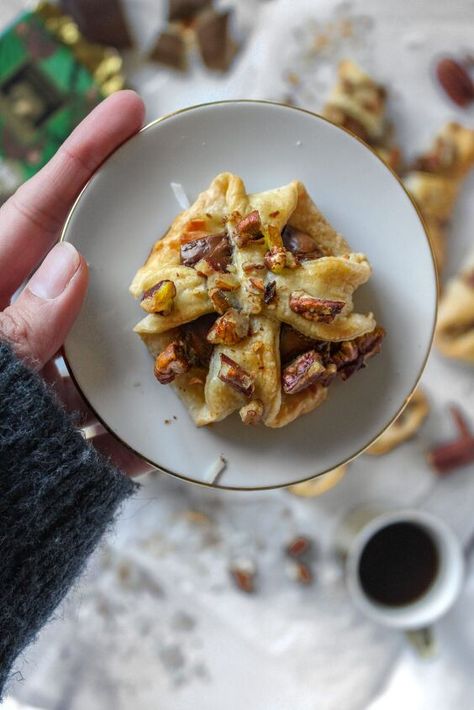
(57, 497)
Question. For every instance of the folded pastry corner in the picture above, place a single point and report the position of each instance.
(455, 325)
(435, 179)
(248, 302)
(357, 102)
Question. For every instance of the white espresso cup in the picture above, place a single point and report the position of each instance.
(404, 568)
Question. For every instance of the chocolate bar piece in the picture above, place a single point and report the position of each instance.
(101, 21)
(185, 9)
(47, 86)
(170, 49)
(215, 42)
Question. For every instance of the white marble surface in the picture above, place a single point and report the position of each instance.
(155, 621)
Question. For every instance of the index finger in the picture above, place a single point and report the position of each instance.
(31, 219)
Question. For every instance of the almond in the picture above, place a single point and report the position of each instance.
(455, 81)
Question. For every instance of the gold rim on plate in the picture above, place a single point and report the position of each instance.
(160, 468)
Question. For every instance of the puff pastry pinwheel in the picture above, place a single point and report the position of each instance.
(436, 179)
(358, 103)
(404, 427)
(455, 326)
(248, 301)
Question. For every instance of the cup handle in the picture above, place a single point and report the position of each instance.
(423, 641)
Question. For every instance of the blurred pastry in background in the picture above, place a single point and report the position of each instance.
(404, 427)
(319, 485)
(436, 178)
(455, 327)
(358, 103)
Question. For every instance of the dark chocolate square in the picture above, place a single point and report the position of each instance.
(101, 21)
(186, 9)
(170, 50)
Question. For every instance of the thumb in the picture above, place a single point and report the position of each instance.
(39, 320)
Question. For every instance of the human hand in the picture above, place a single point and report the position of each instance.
(37, 322)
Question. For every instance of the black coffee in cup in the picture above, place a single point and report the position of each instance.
(398, 564)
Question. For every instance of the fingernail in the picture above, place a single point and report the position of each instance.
(55, 272)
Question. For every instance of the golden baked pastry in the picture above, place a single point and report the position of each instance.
(436, 179)
(249, 305)
(319, 485)
(358, 103)
(404, 427)
(455, 325)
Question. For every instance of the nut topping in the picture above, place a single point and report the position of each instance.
(320, 310)
(248, 229)
(226, 282)
(159, 298)
(456, 82)
(304, 371)
(251, 413)
(275, 259)
(171, 362)
(230, 328)
(347, 353)
(232, 374)
(214, 248)
(257, 284)
(219, 300)
(269, 293)
(300, 244)
(353, 354)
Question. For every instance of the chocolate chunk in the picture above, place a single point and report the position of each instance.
(170, 49)
(213, 36)
(194, 335)
(293, 343)
(300, 244)
(185, 9)
(215, 249)
(100, 21)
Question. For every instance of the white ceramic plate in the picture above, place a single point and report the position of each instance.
(130, 202)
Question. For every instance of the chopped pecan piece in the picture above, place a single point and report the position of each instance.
(269, 294)
(300, 545)
(275, 259)
(230, 328)
(214, 248)
(171, 362)
(252, 413)
(248, 229)
(243, 573)
(232, 374)
(300, 244)
(258, 284)
(226, 282)
(272, 237)
(204, 268)
(371, 343)
(348, 352)
(353, 354)
(219, 300)
(320, 310)
(304, 371)
(159, 298)
(248, 267)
